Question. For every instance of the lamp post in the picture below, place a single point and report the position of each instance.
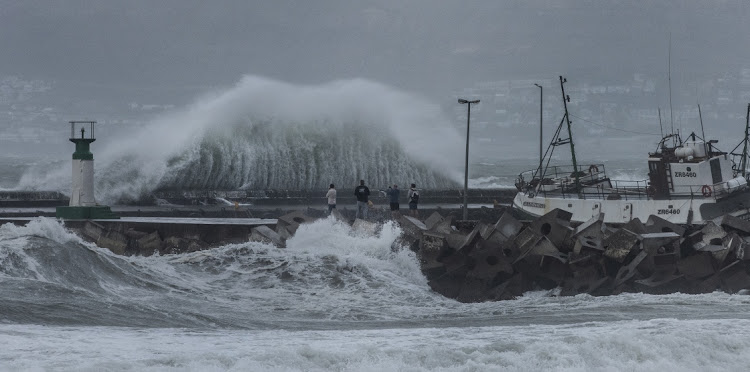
(541, 101)
(466, 165)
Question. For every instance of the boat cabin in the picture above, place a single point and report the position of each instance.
(694, 168)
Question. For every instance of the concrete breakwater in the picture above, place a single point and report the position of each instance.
(479, 261)
(164, 235)
(494, 256)
(263, 198)
(32, 199)
(345, 196)
(146, 236)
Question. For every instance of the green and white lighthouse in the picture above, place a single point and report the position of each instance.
(83, 205)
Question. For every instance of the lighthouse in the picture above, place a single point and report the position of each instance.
(83, 205)
(82, 194)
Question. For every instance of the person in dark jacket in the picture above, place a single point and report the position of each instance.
(393, 195)
(413, 196)
(362, 193)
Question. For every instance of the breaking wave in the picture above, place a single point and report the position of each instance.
(266, 134)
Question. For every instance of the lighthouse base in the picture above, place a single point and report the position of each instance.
(85, 213)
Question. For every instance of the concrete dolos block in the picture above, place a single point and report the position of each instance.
(504, 229)
(490, 264)
(620, 245)
(266, 235)
(432, 248)
(592, 229)
(587, 281)
(443, 226)
(656, 224)
(434, 219)
(697, 266)
(734, 277)
(628, 271)
(554, 225)
(291, 221)
(735, 223)
(662, 249)
(661, 282)
(412, 226)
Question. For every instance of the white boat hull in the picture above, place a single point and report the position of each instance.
(678, 211)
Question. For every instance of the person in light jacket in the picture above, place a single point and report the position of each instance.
(331, 195)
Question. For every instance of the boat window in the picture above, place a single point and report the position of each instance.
(715, 171)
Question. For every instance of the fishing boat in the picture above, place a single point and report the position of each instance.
(688, 182)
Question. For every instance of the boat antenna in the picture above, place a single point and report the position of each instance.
(743, 162)
(669, 79)
(703, 132)
(661, 128)
(566, 99)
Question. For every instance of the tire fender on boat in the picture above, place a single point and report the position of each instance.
(593, 169)
(706, 190)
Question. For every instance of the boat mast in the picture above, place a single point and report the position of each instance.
(669, 78)
(566, 99)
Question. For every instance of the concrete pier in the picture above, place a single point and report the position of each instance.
(263, 198)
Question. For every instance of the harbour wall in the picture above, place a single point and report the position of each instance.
(146, 236)
(25, 199)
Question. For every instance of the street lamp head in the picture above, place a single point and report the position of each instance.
(462, 101)
(539, 86)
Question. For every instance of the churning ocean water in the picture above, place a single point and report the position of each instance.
(335, 299)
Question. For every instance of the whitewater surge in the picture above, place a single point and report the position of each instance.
(336, 298)
(328, 272)
(265, 134)
(655, 345)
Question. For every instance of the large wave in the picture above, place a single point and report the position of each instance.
(266, 134)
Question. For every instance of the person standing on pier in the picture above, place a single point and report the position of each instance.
(362, 193)
(413, 196)
(331, 195)
(393, 194)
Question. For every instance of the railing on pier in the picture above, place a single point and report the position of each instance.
(593, 183)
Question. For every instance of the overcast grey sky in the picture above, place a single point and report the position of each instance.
(424, 46)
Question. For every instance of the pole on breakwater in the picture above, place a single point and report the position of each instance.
(466, 164)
